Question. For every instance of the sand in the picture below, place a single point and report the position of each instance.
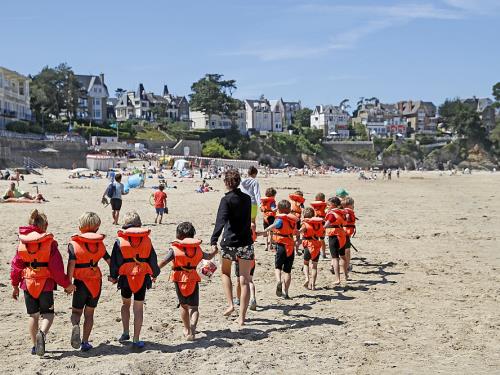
(424, 295)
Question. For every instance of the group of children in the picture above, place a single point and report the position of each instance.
(289, 225)
(37, 268)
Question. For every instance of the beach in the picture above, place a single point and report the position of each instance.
(424, 294)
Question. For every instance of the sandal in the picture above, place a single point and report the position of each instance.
(279, 291)
(76, 341)
(40, 344)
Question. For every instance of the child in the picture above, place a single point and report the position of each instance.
(312, 231)
(85, 250)
(284, 228)
(160, 198)
(350, 227)
(297, 204)
(38, 268)
(253, 299)
(268, 208)
(319, 206)
(336, 236)
(134, 266)
(186, 256)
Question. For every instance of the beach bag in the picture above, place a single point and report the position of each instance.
(110, 191)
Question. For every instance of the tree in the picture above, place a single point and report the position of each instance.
(463, 119)
(159, 110)
(214, 149)
(302, 118)
(496, 91)
(213, 95)
(119, 92)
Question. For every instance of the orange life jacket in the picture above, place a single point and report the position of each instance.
(319, 208)
(296, 201)
(284, 235)
(350, 222)
(311, 239)
(89, 249)
(135, 246)
(254, 234)
(187, 256)
(34, 249)
(266, 208)
(337, 227)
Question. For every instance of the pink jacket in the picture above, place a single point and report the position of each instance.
(56, 266)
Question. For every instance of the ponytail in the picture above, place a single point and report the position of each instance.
(38, 219)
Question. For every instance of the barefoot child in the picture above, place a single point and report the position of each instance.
(85, 250)
(135, 267)
(336, 236)
(186, 255)
(319, 206)
(297, 204)
(38, 268)
(268, 208)
(312, 231)
(284, 228)
(350, 226)
(160, 198)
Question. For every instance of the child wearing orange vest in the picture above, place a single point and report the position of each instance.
(268, 208)
(186, 255)
(284, 229)
(38, 268)
(297, 204)
(319, 206)
(350, 227)
(134, 267)
(312, 231)
(85, 250)
(334, 227)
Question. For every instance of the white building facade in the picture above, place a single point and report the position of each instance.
(92, 103)
(263, 116)
(333, 120)
(14, 97)
(201, 120)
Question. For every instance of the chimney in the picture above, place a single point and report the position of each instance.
(102, 78)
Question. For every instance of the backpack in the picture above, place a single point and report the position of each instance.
(110, 191)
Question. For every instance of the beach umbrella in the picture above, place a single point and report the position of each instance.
(48, 150)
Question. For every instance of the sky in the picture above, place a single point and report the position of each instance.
(317, 51)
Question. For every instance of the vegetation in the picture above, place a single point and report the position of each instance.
(462, 119)
(150, 132)
(303, 118)
(23, 127)
(215, 149)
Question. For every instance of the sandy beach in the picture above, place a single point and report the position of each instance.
(424, 295)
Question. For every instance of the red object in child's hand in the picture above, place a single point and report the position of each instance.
(207, 268)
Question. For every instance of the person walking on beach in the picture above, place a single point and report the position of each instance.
(250, 186)
(115, 190)
(234, 218)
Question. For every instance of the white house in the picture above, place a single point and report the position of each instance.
(14, 96)
(264, 115)
(201, 120)
(92, 102)
(332, 119)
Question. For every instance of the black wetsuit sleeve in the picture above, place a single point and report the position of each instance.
(106, 256)
(71, 252)
(207, 255)
(116, 261)
(170, 256)
(153, 262)
(222, 216)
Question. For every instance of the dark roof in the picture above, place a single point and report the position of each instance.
(85, 81)
(124, 101)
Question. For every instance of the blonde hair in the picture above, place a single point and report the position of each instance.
(38, 219)
(348, 201)
(89, 222)
(132, 219)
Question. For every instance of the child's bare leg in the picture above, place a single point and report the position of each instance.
(336, 269)
(306, 273)
(252, 289)
(76, 315)
(33, 326)
(348, 256)
(185, 320)
(46, 321)
(138, 318)
(314, 273)
(287, 281)
(345, 266)
(238, 287)
(161, 218)
(88, 323)
(194, 314)
(323, 248)
(277, 273)
(156, 218)
(125, 312)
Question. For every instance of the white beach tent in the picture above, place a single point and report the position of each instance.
(180, 164)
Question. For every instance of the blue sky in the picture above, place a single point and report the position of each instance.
(315, 51)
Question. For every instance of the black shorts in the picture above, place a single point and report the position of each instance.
(82, 296)
(307, 256)
(126, 292)
(335, 250)
(44, 304)
(192, 300)
(270, 221)
(116, 204)
(237, 269)
(281, 261)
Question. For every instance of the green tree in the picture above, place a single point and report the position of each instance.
(360, 131)
(302, 118)
(496, 91)
(213, 148)
(463, 119)
(213, 95)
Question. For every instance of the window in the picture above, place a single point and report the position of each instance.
(21, 88)
(97, 102)
(97, 113)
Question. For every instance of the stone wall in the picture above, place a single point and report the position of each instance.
(12, 152)
(348, 146)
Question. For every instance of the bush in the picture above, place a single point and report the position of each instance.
(215, 149)
(23, 127)
(56, 127)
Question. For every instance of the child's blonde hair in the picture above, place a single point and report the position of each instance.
(348, 201)
(89, 222)
(38, 219)
(132, 219)
(320, 197)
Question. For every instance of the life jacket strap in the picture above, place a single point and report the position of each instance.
(190, 268)
(35, 265)
(86, 265)
(313, 238)
(136, 260)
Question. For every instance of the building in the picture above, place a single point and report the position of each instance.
(263, 115)
(140, 105)
(486, 111)
(201, 120)
(14, 97)
(420, 115)
(289, 110)
(92, 102)
(333, 120)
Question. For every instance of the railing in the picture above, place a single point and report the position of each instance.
(30, 163)
(9, 134)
